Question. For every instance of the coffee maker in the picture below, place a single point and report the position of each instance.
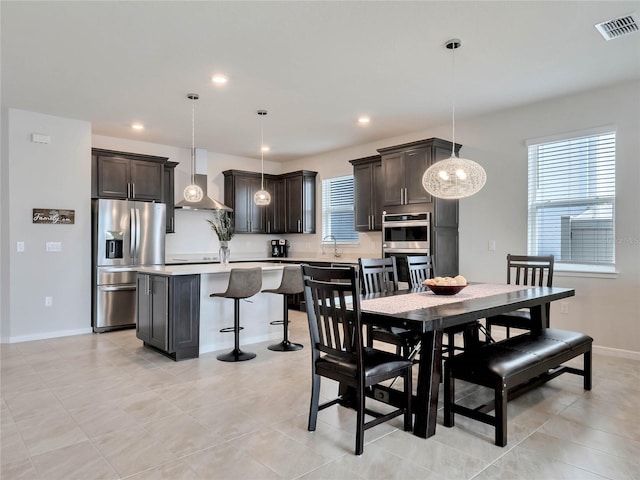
(279, 247)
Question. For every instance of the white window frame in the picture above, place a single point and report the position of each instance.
(328, 209)
(536, 204)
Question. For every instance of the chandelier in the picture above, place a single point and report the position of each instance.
(454, 177)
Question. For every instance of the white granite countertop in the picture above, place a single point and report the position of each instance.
(211, 258)
(205, 268)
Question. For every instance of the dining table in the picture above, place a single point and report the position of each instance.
(427, 314)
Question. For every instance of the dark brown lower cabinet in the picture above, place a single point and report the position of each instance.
(168, 314)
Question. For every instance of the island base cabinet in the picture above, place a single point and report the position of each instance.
(168, 313)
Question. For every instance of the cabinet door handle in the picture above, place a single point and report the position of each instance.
(299, 226)
(406, 196)
(133, 190)
(268, 226)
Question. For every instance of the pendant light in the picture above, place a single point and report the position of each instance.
(454, 177)
(193, 192)
(262, 197)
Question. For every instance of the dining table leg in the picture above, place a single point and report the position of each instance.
(429, 372)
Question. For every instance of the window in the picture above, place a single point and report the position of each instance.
(572, 198)
(338, 209)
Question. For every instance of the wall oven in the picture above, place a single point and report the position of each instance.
(403, 235)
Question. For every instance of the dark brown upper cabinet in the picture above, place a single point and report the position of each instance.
(300, 201)
(403, 167)
(169, 194)
(292, 207)
(127, 175)
(239, 188)
(368, 186)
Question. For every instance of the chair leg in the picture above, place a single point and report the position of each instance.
(236, 355)
(315, 400)
(587, 370)
(360, 399)
(408, 387)
(285, 345)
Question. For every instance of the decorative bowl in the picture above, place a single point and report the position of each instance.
(445, 289)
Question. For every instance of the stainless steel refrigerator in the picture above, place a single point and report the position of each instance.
(125, 234)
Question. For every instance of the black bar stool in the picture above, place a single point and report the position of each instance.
(290, 285)
(243, 283)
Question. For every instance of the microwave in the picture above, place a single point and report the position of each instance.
(406, 231)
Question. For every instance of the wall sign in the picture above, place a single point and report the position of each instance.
(54, 216)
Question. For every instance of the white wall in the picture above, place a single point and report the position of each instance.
(55, 175)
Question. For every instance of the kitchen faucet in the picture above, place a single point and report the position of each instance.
(335, 245)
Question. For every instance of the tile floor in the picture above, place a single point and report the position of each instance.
(103, 407)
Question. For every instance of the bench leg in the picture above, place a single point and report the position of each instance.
(587, 370)
(501, 414)
(449, 398)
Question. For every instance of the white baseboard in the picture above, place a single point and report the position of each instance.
(616, 352)
(46, 335)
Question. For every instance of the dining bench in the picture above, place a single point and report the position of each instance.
(511, 367)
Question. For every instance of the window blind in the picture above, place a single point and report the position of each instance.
(571, 198)
(338, 209)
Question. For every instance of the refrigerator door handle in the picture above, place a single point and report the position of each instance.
(132, 233)
(137, 234)
(117, 288)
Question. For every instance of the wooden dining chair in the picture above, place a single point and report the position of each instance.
(421, 267)
(338, 351)
(380, 275)
(523, 270)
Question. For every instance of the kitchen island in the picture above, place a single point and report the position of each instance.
(176, 316)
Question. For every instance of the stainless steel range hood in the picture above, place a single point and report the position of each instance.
(206, 203)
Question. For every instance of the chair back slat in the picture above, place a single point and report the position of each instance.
(420, 268)
(530, 270)
(333, 311)
(379, 274)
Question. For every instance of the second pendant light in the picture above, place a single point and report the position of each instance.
(262, 197)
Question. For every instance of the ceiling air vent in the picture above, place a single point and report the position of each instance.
(619, 27)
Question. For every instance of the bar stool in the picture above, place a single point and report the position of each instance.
(290, 285)
(243, 283)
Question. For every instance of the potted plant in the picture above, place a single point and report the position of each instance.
(222, 224)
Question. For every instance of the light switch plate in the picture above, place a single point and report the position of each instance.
(19, 246)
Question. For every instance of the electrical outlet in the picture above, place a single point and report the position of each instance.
(54, 247)
(19, 246)
(564, 308)
(492, 245)
(48, 301)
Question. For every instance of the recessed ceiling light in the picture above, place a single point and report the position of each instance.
(219, 79)
(364, 120)
(265, 148)
(137, 126)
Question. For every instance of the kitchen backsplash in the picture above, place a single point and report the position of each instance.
(193, 235)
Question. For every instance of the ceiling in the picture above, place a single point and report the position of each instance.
(315, 66)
